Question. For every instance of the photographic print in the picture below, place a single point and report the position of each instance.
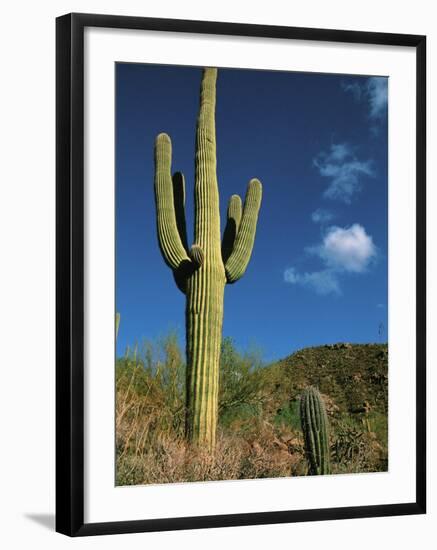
(240, 258)
(251, 274)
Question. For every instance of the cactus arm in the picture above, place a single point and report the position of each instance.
(179, 205)
(232, 225)
(197, 256)
(171, 245)
(180, 274)
(186, 269)
(236, 264)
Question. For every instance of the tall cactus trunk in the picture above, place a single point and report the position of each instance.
(204, 317)
(202, 271)
(205, 288)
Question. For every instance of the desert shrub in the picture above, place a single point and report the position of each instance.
(355, 448)
(149, 396)
(240, 384)
(377, 422)
(289, 415)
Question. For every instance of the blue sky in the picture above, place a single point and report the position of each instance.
(318, 143)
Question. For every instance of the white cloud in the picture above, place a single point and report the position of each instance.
(342, 251)
(323, 282)
(343, 170)
(347, 249)
(339, 151)
(354, 88)
(322, 216)
(377, 94)
(374, 91)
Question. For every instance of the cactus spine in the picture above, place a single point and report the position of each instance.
(202, 271)
(315, 427)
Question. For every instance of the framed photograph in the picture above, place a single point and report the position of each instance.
(240, 274)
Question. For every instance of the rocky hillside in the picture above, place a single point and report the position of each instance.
(353, 376)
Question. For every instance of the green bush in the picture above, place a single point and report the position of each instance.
(289, 415)
(240, 384)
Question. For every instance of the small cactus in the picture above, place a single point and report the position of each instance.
(315, 427)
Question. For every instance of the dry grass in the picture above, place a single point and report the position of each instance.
(171, 460)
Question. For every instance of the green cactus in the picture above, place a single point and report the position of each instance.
(315, 427)
(202, 271)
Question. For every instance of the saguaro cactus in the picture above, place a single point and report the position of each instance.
(202, 271)
(315, 428)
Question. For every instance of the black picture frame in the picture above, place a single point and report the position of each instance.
(70, 273)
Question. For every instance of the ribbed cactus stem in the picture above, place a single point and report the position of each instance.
(201, 272)
(315, 427)
(236, 264)
(170, 241)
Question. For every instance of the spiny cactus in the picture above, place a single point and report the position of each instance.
(202, 271)
(315, 427)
